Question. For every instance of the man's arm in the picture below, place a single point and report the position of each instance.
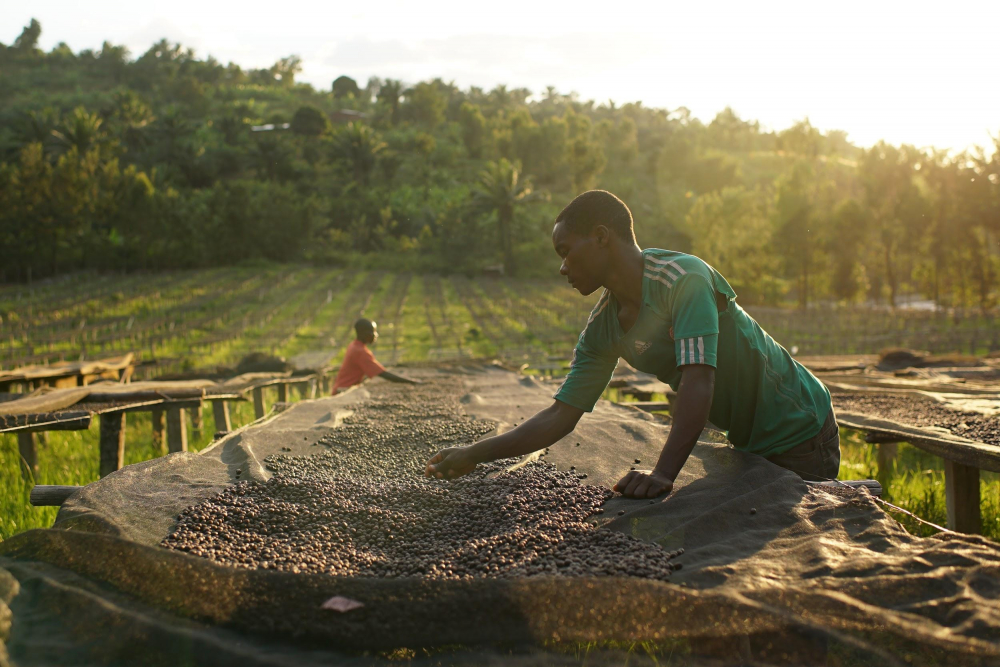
(690, 414)
(392, 377)
(545, 428)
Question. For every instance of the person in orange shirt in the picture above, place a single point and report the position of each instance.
(359, 362)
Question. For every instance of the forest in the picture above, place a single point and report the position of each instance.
(118, 163)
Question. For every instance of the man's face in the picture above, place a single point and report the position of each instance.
(374, 334)
(584, 257)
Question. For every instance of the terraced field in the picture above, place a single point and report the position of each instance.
(184, 320)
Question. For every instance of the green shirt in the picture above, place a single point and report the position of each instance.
(766, 400)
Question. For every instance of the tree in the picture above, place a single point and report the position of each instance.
(309, 121)
(845, 245)
(389, 95)
(586, 158)
(730, 230)
(894, 205)
(796, 226)
(285, 69)
(27, 41)
(502, 191)
(473, 129)
(345, 86)
(80, 130)
(425, 105)
(359, 146)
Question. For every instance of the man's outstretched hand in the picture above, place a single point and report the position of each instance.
(643, 484)
(450, 463)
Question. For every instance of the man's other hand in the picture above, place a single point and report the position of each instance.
(450, 463)
(643, 484)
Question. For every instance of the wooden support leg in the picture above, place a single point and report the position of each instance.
(961, 485)
(158, 425)
(112, 442)
(196, 422)
(313, 385)
(221, 411)
(29, 457)
(887, 452)
(177, 438)
(258, 402)
(283, 393)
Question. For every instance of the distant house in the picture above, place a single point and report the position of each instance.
(269, 127)
(347, 116)
(339, 116)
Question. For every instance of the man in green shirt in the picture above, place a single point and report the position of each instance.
(672, 315)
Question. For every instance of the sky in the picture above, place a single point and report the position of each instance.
(923, 73)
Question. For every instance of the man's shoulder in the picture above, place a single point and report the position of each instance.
(668, 268)
(357, 348)
(675, 264)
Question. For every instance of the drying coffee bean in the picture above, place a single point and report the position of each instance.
(753, 510)
(363, 508)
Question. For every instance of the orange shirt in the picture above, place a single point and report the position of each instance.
(359, 363)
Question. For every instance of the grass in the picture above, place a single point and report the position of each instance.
(915, 482)
(289, 310)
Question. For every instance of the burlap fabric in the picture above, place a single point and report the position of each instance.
(812, 576)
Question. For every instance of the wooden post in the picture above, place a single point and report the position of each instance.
(112, 442)
(45, 495)
(29, 457)
(221, 411)
(887, 452)
(258, 402)
(283, 393)
(961, 484)
(196, 422)
(313, 385)
(157, 417)
(177, 439)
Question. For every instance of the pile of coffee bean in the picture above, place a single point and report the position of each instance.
(363, 508)
(922, 411)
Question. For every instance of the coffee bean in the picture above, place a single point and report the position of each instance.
(363, 508)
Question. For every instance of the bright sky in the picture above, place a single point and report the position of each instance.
(916, 72)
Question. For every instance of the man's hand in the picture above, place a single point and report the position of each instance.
(643, 484)
(450, 463)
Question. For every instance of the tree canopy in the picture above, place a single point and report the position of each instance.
(167, 160)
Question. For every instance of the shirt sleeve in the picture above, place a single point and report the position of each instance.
(369, 365)
(695, 318)
(588, 377)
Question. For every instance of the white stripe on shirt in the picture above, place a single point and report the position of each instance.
(653, 276)
(692, 351)
(659, 269)
(671, 262)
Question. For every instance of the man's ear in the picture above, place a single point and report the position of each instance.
(602, 234)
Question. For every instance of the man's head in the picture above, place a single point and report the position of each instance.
(366, 330)
(587, 235)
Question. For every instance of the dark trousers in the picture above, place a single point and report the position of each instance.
(816, 459)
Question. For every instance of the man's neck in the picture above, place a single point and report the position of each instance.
(624, 280)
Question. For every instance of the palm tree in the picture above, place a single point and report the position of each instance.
(360, 146)
(81, 130)
(390, 92)
(502, 190)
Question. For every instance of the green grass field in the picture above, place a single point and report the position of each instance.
(201, 319)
